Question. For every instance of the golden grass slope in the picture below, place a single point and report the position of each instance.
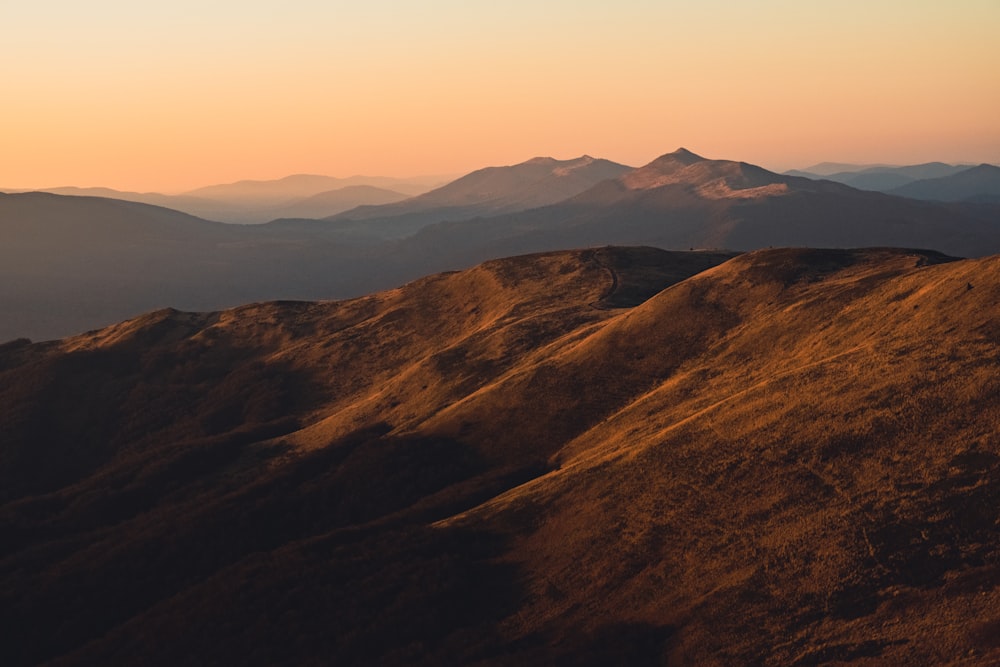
(826, 487)
(613, 456)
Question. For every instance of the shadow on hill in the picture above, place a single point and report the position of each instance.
(640, 273)
(179, 524)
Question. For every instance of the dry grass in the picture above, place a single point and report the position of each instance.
(593, 457)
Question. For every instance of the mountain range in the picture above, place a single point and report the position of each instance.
(591, 457)
(891, 179)
(69, 264)
(255, 202)
(486, 192)
(977, 184)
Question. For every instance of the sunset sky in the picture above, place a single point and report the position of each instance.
(173, 95)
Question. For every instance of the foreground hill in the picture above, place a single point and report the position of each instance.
(614, 456)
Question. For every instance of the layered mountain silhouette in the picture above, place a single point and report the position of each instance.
(490, 191)
(331, 202)
(255, 202)
(882, 178)
(68, 264)
(978, 184)
(682, 200)
(603, 456)
(75, 263)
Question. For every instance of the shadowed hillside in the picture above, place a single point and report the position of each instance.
(611, 456)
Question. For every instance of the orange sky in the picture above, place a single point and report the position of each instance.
(170, 96)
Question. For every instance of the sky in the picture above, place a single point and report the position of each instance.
(168, 96)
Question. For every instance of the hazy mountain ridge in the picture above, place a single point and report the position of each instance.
(786, 457)
(297, 186)
(57, 279)
(977, 184)
(485, 192)
(75, 263)
(880, 178)
(257, 201)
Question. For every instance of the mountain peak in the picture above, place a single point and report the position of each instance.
(685, 155)
(540, 160)
(713, 179)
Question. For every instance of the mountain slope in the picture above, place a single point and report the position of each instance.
(978, 184)
(592, 457)
(490, 191)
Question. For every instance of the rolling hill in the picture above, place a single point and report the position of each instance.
(606, 456)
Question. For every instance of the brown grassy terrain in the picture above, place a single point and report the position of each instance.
(614, 456)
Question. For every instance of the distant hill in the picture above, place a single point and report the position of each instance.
(305, 195)
(829, 168)
(490, 191)
(68, 264)
(883, 178)
(613, 456)
(299, 186)
(978, 184)
(255, 202)
(336, 201)
(201, 207)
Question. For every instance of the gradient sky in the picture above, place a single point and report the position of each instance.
(173, 95)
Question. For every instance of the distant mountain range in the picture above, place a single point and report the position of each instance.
(72, 263)
(255, 202)
(486, 192)
(888, 178)
(611, 456)
(977, 184)
(682, 200)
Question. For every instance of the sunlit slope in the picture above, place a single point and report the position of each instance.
(784, 457)
(816, 479)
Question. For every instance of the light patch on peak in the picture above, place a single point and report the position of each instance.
(720, 189)
(578, 163)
